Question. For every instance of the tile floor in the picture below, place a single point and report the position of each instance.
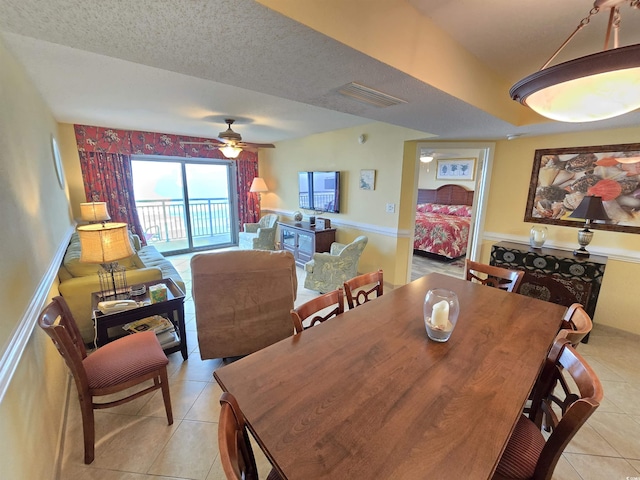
(133, 441)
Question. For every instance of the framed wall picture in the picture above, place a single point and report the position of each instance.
(367, 179)
(456, 169)
(57, 161)
(562, 177)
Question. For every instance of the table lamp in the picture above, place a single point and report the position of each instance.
(590, 208)
(106, 243)
(94, 212)
(258, 186)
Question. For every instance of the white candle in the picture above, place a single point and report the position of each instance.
(537, 236)
(440, 314)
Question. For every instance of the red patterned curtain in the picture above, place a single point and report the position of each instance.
(249, 210)
(129, 142)
(107, 178)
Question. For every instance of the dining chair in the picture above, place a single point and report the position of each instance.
(113, 368)
(493, 276)
(357, 291)
(576, 324)
(527, 454)
(236, 454)
(317, 310)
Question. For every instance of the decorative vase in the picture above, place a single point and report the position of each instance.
(537, 236)
(441, 308)
(297, 216)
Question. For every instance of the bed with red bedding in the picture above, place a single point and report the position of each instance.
(443, 219)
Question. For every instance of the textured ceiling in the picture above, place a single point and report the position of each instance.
(182, 66)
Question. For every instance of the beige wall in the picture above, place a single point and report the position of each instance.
(396, 181)
(362, 212)
(36, 219)
(512, 165)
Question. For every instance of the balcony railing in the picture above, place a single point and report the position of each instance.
(165, 220)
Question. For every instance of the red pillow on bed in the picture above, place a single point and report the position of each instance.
(454, 210)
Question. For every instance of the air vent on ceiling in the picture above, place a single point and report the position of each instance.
(369, 95)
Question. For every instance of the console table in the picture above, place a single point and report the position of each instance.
(303, 240)
(553, 275)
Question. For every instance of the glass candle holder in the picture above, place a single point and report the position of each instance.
(537, 236)
(441, 309)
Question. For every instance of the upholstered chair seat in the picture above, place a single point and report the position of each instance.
(518, 462)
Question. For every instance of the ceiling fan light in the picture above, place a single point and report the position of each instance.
(230, 151)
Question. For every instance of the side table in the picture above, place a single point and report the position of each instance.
(173, 308)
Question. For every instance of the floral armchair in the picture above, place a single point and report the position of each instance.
(328, 271)
(261, 235)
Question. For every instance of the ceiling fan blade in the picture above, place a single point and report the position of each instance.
(213, 143)
(255, 145)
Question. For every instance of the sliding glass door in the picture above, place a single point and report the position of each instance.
(186, 205)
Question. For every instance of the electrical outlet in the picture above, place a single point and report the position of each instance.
(390, 208)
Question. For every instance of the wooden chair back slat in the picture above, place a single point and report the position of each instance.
(355, 292)
(309, 311)
(493, 276)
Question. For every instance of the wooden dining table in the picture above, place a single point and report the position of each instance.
(368, 395)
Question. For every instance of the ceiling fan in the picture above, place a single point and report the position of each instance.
(428, 156)
(231, 143)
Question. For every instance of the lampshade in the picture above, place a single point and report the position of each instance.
(94, 212)
(230, 151)
(258, 185)
(594, 87)
(104, 243)
(590, 208)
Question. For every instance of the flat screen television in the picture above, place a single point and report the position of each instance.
(319, 191)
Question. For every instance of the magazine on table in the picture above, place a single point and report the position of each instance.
(157, 324)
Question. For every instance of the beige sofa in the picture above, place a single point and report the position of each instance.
(78, 280)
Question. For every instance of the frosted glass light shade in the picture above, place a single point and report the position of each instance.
(595, 87)
(94, 212)
(104, 243)
(588, 99)
(230, 151)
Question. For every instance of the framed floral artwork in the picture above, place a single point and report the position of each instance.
(562, 177)
(367, 179)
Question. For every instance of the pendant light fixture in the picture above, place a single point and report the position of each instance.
(594, 87)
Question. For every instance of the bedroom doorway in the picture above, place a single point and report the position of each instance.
(466, 165)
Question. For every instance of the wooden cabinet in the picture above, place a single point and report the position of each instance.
(553, 275)
(303, 240)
